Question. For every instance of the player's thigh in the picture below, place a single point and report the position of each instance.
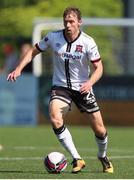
(57, 110)
(97, 124)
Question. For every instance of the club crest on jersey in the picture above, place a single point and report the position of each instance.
(78, 48)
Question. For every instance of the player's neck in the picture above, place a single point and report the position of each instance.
(72, 37)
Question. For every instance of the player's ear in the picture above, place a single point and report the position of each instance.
(80, 22)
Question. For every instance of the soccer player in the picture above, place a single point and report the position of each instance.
(72, 81)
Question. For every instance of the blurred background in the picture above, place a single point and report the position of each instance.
(24, 22)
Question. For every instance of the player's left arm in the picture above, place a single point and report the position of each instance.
(95, 76)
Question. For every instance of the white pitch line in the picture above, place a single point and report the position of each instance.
(41, 158)
(113, 157)
(19, 158)
(79, 148)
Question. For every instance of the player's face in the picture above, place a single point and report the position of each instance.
(72, 24)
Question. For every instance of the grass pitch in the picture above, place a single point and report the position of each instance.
(22, 151)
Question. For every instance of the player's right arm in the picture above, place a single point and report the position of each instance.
(27, 58)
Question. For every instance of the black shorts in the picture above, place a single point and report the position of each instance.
(84, 102)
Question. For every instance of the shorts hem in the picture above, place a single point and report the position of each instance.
(60, 99)
(90, 112)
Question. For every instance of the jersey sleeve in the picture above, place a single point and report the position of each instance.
(93, 52)
(44, 43)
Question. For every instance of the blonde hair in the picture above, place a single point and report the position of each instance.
(75, 10)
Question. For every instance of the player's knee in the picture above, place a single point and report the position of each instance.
(101, 132)
(56, 121)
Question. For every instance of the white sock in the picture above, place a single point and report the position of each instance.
(102, 146)
(65, 139)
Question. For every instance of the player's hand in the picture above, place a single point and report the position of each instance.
(13, 75)
(85, 87)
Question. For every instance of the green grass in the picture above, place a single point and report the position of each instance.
(24, 149)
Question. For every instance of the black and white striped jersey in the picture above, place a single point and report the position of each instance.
(70, 59)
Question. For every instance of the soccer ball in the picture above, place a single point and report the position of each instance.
(55, 162)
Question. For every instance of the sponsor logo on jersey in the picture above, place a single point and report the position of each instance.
(79, 48)
(68, 56)
(71, 56)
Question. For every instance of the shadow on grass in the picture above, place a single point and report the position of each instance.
(22, 171)
(83, 172)
(44, 172)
